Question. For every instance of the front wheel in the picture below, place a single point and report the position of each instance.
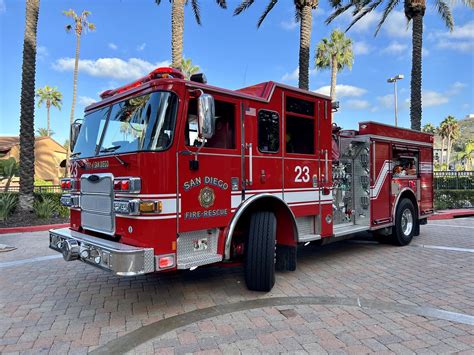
(405, 223)
(260, 252)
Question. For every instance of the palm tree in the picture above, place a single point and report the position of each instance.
(27, 108)
(188, 68)
(177, 26)
(80, 25)
(44, 132)
(334, 53)
(304, 15)
(429, 128)
(467, 154)
(451, 127)
(414, 11)
(52, 97)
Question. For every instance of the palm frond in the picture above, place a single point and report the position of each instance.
(335, 3)
(445, 13)
(196, 11)
(158, 2)
(468, 3)
(364, 12)
(338, 12)
(269, 8)
(222, 3)
(244, 5)
(390, 6)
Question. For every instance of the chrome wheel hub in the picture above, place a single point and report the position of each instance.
(407, 222)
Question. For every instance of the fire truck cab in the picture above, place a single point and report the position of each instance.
(173, 174)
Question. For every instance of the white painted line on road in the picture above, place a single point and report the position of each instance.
(28, 261)
(440, 247)
(446, 225)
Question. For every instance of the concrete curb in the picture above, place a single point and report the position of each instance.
(450, 214)
(40, 228)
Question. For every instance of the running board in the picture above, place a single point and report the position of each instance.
(195, 261)
(351, 229)
(308, 238)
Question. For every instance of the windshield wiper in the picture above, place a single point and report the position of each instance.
(110, 149)
(73, 155)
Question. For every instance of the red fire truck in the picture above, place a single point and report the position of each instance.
(173, 174)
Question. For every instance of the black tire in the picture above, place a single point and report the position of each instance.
(405, 223)
(260, 252)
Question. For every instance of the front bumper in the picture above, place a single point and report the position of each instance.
(120, 259)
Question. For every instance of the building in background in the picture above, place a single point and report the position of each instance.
(48, 156)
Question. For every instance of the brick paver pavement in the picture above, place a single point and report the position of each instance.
(58, 307)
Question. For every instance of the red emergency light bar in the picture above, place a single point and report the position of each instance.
(158, 73)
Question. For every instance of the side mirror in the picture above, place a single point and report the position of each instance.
(75, 129)
(206, 116)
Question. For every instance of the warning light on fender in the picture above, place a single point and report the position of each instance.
(165, 262)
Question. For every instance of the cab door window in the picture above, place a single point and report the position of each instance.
(300, 126)
(404, 162)
(268, 131)
(224, 135)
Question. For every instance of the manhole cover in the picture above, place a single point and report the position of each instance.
(5, 248)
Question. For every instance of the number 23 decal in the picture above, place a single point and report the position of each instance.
(302, 174)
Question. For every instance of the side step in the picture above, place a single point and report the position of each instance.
(308, 238)
(198, 260)
(349, 229)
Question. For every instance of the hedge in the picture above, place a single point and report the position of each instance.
(448, 199)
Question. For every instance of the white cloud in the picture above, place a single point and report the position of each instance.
(86, 101)
(361, 47)
(3, 7)
(113, 46)
(396, 25)
(395, 48)
(342, 90)
(456, 88)
(42, 52)
(366, 23)
(293, 76)
(425, 52)
(141, 47)
(357, 104)
(386, 101)
(114, 68)
(433, 98)
(289, 25)
(461, 39)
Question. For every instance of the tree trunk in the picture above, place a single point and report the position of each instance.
(48, 108)
(333, 78)
(74, 83)
(27, 108)
(305, 42)
(415, 97)
(442, 150)
(177, 30)
(448, 157)
(7, 185)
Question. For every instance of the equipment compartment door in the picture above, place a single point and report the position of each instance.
(380, 178)
(209, 171)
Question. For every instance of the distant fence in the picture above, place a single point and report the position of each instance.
(454, 180)
(38, 189)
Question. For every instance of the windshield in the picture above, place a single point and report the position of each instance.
(140, 123)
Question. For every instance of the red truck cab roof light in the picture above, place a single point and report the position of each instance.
(164, 72)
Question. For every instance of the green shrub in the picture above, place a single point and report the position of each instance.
(44, 208)
(448, 199)
(59, 210)
(8, 202)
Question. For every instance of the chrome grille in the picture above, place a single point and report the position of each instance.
(97, 203)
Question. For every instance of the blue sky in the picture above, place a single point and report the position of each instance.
(133, 37)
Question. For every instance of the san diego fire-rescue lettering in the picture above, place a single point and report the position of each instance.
(206, 197)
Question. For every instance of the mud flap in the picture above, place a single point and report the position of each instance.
(285, 258)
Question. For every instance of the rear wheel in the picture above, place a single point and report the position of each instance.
(405, 223)
(260, 252)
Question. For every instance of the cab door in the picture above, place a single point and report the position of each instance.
(208, 171)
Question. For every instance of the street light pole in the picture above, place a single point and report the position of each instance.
(394, 81)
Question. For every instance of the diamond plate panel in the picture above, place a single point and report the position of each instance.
(305, 225)
(187, 253)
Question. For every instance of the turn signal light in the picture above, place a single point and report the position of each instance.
(150, 206)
